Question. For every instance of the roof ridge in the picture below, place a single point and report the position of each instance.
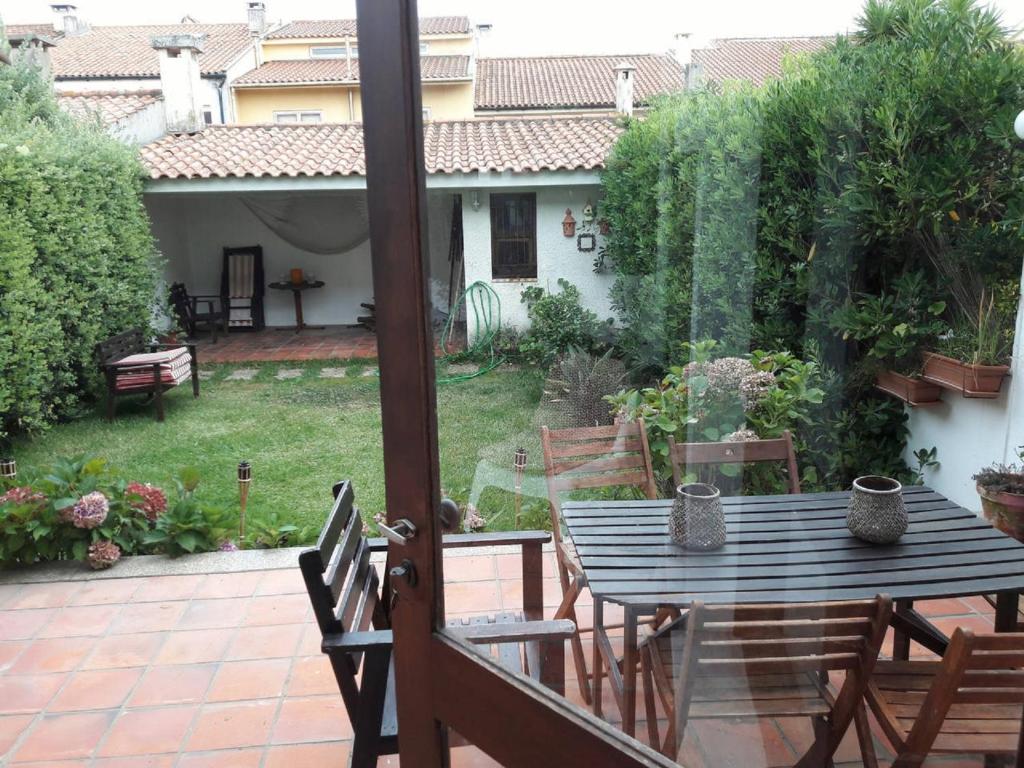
(573, 56)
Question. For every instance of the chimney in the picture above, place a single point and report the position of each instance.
(257, 12)
(65, 19)
(625, 73)
(180, 81)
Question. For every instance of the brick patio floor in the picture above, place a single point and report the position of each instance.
(225, 670)
(334, 342)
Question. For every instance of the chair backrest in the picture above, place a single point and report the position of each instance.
(686, 455)
(242, 276)
(596, 457)
(182, 305)
(343, 585)
(740, 641)
(122, 345)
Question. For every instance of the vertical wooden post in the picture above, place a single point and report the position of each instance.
(901, 640)
(396, 195)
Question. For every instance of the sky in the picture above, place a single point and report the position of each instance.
(529, 27)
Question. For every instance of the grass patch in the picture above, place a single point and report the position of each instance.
(303, 434)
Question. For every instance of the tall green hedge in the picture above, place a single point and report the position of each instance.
(753, 218)
(78, 260)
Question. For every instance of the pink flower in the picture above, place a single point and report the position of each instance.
(227, 546)
(90, 511)
(103, 554)
(473, 521)
(22, 495)
(147, 499)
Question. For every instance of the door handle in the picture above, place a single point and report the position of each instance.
(402, 532)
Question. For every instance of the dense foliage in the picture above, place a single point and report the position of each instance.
(83, 509)
(558, 323)
(78, 258)
(857, 209)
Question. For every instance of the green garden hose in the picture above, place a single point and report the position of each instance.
(486, 317)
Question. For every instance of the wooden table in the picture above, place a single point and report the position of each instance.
(297, 289)
(785, 549)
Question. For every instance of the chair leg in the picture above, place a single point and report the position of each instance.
(650, 710)
(159, 395)
(567, 610)
(867, 743)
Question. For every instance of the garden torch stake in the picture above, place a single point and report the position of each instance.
(520, 465)
(244, 478)
(8, 469)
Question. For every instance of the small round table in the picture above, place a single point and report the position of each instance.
(297, 289)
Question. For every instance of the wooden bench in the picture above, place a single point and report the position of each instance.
(128, 374)
(345, 591)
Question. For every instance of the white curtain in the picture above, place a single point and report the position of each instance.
(324, 223)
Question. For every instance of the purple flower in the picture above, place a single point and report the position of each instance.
(227, 546)
(473, 521)
(103, 554)
(90, 511)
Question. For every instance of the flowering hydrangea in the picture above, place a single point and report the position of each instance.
(755, 387)
(103, 554)
(473, 521)
(726, 373)
(227, 546)
(147, 499)
(741, 436)
(90, 511)
(22, 495)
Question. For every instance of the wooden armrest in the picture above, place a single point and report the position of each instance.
(352, 642)
(463, 540)
(517, 632)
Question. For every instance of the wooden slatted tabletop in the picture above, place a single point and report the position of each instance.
(781, 549)
(790, 549)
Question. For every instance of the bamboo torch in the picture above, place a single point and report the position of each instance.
(244, 479)
(520, 467)
(8, 469)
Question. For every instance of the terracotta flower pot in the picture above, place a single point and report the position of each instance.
(1004, 510)
(969, 379)
(910, 389)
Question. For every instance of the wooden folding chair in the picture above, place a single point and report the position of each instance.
(687, 455)
(590, 457)
(345, 592)
(970, 701)
(736, 661)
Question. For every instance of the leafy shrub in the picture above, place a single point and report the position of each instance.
(79, 259)
(558, 323)
(187, 526)
(579, 384)
(271, 532)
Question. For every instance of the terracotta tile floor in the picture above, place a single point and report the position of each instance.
(225, 670)
(337, 342)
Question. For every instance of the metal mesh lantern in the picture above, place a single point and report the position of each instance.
(697, 520)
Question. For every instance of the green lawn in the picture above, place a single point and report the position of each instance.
(303, 434)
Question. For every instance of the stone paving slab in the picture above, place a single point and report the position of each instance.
(242, 374)
(288, 373)
(333, 373)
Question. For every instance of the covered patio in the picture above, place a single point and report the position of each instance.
(332, 342)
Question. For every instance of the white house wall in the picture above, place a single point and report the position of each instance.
(142, 127)
(970, 434)
(193, 230)
(557, 255)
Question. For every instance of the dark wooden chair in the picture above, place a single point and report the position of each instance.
(685, 455)
(970, 701)
(187, 307)
(354, 620)
(752, 661)
(242, 285)
(131, 366)
(590, 457)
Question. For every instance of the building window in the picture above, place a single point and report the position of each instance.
(514, 235)
(328, 52)
(426, 114)
(207, 114)
(299, 116)
(424, 47)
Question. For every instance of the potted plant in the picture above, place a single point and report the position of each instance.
(895, 328)
(1001, 488)
(972, 358)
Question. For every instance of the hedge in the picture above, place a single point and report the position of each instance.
(754, 217)
(79, 262)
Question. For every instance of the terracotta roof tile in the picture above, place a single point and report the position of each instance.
(344, 71)
(109, 106)
(335, 28)
(751, 59)
(461, 146)
(128, 51)
(46, 30)
(570, 82)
